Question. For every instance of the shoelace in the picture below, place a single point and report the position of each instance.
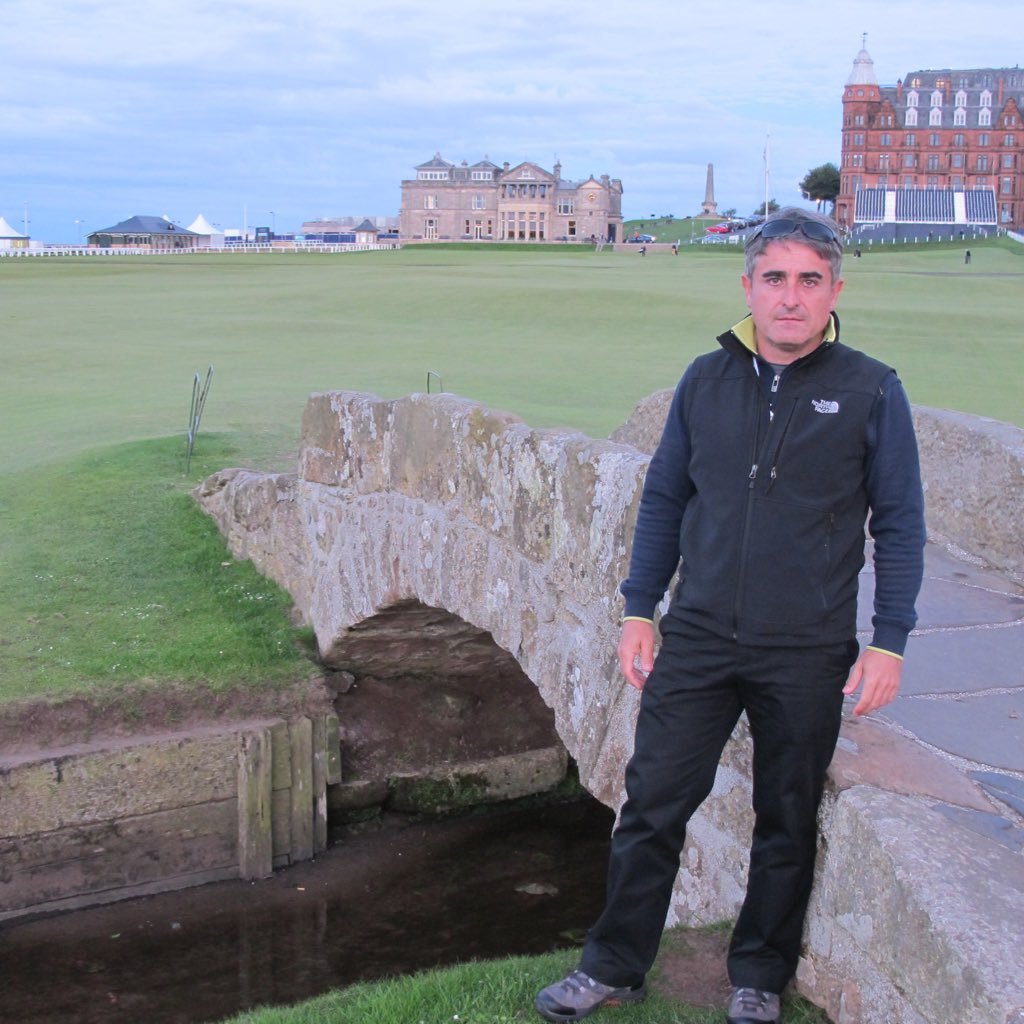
(751, 1000)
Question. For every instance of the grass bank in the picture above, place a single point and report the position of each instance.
(491, 992)
(114, 579)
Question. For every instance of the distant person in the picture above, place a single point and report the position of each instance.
(643, 250)
(967, 256)
(777, 448)
(675, 248)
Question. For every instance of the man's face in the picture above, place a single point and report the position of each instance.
(790, 294)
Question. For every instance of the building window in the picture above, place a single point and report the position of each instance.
(565, 207)
(935, 117)
(956, 182)
(936, 98)
(958, 139)
(933, 181)
(983, 139)
(912, 98)
(912, 118)
(933, 161)
(883, 161)
(885, 139)
(986, 99)
(984, 118)
(858, 138)
(482, 175)
(908, 159)
(1007, 160)
(858, 183)
(982, 162)
(858, 120)
(980, 184)
(957, 160)
(857, 160)
(479, 203)
(430, 228)
(432, 175)
(526, 173)
(1007, 187)
(933, 139)
(908, 181)
(1009, 140)
(430, 202)
(960, 117)
(910, 139)
(1009, 120)
(883, 181)
(571, 229)
(961, 98)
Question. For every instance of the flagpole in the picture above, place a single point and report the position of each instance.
(767, 141)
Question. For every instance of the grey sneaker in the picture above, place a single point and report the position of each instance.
(578, 995)
(752, 1006)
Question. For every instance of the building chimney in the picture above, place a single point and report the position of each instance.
(899, 88)
(999, 101)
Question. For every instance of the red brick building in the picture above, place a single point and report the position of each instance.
(938, 147)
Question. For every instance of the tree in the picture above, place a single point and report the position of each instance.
(772, 207)
(821, 184)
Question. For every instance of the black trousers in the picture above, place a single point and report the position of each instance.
(692, 700)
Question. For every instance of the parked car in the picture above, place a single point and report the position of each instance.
(641, 239)
(719, 229)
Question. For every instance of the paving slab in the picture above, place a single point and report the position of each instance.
(975, 660)
(986, 729)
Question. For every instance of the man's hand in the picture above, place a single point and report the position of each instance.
(880, 675)
(636, 651)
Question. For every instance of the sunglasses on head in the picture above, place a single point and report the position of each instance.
(786, 226)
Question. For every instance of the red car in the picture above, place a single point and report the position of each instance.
(719, 229)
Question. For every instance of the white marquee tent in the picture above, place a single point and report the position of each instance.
(201, 226)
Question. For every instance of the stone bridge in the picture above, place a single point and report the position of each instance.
(436, 502)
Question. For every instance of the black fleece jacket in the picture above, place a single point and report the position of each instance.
(761, 486)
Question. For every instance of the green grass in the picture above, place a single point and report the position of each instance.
(490, 992)
(110, 574)
(114, 578)
(99, 351)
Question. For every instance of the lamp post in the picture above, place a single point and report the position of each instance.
(78, 224)
(273, 224)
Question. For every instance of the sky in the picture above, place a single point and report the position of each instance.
(274, 112)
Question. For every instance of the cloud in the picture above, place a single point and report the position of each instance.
(317, 106)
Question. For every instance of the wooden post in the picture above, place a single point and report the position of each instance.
(255, 846)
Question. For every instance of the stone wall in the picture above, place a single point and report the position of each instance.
(525, 534)
(134, 816)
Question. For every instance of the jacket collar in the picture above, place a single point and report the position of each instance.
(741, 340)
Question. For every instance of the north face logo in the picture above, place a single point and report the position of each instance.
(820, 405)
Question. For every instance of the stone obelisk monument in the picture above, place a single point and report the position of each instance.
(709, 208)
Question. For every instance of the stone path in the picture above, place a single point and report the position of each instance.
(963, 684)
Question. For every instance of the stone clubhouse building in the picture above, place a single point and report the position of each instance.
(449, 202)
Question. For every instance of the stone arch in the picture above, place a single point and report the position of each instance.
(422, 694)
(436, 500)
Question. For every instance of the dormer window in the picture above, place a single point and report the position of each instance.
(984, 117)
(912, 118)
(961, 99)
(936, 98)
(986, 99)
(912, 98)
(960, 117)
(935, 116)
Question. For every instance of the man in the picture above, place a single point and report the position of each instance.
(775, 450)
